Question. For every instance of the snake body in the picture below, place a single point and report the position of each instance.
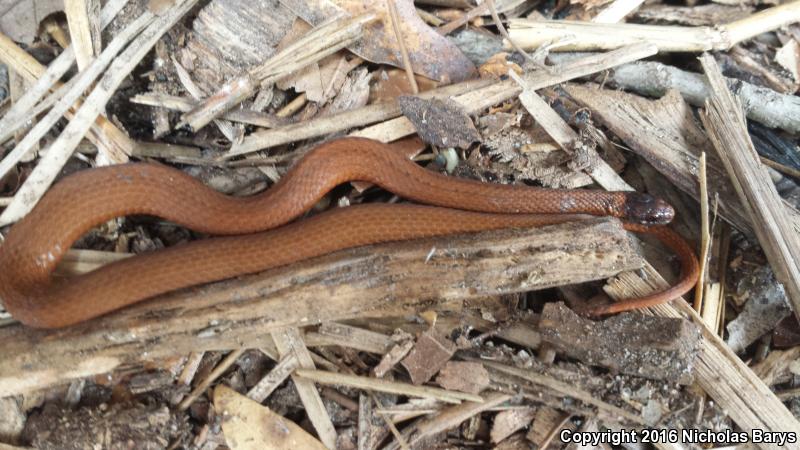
(256, 233)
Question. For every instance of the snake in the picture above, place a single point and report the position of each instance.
(259, 232)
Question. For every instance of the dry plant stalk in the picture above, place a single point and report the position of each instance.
(104, 134)
(587, 36)
(84, 30)
(725, 122)
(74, 91)
(318, 43)
(473, 101)
(62, 148)
(381, 385)
(22, 112)
(289, 341)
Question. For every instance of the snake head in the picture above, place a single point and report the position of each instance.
(648, 210)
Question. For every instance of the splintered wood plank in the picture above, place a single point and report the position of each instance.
(387, 280)
(665, 133)
(724, 120)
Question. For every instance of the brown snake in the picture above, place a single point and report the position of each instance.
(36, 244)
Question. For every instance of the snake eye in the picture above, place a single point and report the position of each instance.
(646, 209)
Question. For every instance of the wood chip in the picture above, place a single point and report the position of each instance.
(463, 376)
(430, 354)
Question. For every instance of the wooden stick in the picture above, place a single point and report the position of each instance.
(726, 125)
(82, 81)
(616, 11)
(391, 387)
(84, 31)
(60, 151)
(355, 283)
(402, 44)
(210, 378)
(183, 104)
(290, 342)
(654, 79)
(705, 235)
(588, 36)
(19, 114)
(447, 419)
(564, 389)
(262, 390)
(103, 133)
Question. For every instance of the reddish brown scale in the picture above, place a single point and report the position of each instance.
(37, 243)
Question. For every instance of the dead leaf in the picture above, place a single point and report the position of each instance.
(431, 54)
(440, 122)
(249, 425)
(392, 83)
(19, 19)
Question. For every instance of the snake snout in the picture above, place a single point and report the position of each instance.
(647, 209)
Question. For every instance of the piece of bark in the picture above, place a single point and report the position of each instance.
(544, 422)
(463, 376)
(353, 283)
(441, 122)
(431, 353)
(510, 421)
(710, 14)
(289, 342)
(646, 346)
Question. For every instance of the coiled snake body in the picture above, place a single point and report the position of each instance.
(36, 244)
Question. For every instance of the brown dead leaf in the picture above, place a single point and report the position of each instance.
(19, 19)
(440, 122)
(431, 54)
(248, 425)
